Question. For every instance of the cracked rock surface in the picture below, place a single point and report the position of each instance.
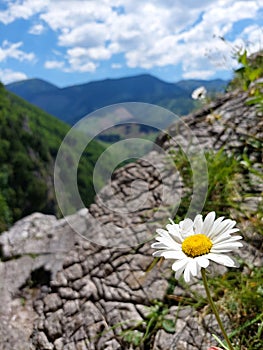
(64, 291)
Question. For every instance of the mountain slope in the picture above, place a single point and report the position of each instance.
(29, 142)
(29, 88)
(72, 103)
(213, 86)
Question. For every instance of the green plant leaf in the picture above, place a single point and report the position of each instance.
(169, 325)
(220, 342)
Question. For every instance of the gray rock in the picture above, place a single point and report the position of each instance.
(60, 280)
(53, 327)
(73, 272)
(59, 344)
(52, 302)
(71, 307)
(42, 342)
(68, 293)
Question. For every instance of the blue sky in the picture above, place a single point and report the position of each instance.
(68, 42)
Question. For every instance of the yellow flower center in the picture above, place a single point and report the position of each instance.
(196, 245)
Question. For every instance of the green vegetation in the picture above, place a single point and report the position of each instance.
(249, 77)
(237, 294)
(251, 69)
(240, 296)
(229, 185)
(156, 318)
(29, 142)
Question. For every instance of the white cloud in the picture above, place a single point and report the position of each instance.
(99, 53)
(78, 65)
(198, 74)
(67, 15)
(148, 33)
(37, 29)
(79, 61)
(12, 50)
(252, 38)
(54, 64)
(8, 76)
(22, 9)
(192, 47)
(86, 35)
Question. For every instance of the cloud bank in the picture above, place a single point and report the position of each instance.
(146, 34)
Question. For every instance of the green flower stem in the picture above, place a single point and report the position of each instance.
(214, 309)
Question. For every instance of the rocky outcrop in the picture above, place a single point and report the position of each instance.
(227, 122)
(60, 290)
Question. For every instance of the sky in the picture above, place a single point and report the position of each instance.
(68, 42)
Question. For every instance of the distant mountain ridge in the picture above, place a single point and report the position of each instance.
(74, 102)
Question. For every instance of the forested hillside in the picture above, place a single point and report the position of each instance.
(29, 141)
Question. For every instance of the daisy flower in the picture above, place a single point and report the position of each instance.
(199, 93)
(192, 244)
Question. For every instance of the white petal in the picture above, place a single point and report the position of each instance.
(180, 269)
(226, 236)
(187, 274)
(173, 228)
(199, 268)
(222, 227)
(162, 232)
(233, 230)
(208, 223)
(202, 261)
(193, 267)
(169, 242)
(174, 231)
(180, 264)
(186, 225)
(229, 261)
(158, 253)
(226, 245)
(158, 245)
(235, 238)
(198, 223)
(178, 273)
(220, 251)
(221, 259)
(223, 250)
(218, 220)
(230, 245)
(171, 254)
